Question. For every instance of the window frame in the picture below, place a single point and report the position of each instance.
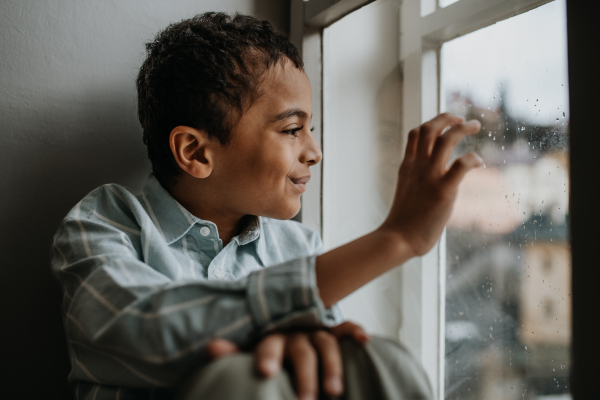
(583, 33)
(424, 27)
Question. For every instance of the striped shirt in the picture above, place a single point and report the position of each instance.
(147, 285)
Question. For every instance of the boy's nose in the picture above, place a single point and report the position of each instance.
(312, 154)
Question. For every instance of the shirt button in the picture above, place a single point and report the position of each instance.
(218, 273)
(204, 231)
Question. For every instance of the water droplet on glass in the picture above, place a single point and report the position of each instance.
(502, 148)
(490, 134)
(481, 115)
(518, 257)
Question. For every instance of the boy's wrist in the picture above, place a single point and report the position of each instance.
(344, 269)
(395, 244)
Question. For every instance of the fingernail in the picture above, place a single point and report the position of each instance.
(307, 396)
(271, 367)
(473, 122)
(335, 386)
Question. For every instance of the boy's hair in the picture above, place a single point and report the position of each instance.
(203, 72)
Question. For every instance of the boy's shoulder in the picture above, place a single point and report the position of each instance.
(109, 198)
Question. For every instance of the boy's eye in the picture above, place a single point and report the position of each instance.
(293, 131)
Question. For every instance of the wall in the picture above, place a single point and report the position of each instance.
(67, 125)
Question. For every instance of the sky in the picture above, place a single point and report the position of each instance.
(527, 54)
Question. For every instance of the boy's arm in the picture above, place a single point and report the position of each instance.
(424, 198)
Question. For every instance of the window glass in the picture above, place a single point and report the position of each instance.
(508, 268)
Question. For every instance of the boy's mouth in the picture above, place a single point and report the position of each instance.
(301, 182)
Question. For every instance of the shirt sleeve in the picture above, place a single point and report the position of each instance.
(128, 324)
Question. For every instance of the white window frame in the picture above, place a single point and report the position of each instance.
(424, 27)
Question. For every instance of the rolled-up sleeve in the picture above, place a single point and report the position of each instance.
(286, 295)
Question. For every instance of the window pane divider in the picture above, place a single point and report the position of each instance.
(466, 16)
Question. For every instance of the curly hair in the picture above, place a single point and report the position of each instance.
(203, 72)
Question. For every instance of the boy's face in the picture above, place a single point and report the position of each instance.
(265, 168)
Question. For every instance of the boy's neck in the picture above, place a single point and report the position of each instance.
(209, 208)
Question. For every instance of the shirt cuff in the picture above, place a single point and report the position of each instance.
(286, 296)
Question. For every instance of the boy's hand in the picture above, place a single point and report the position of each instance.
(303, 349)
(426, 187)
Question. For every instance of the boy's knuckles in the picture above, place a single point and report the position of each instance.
(461, 162)
(444, 141)
(324, 338)
(300, 347)
(427, 127)
(468, 159)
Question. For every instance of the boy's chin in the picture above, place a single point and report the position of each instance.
(285, 211)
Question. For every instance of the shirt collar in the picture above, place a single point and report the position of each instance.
(174, 221)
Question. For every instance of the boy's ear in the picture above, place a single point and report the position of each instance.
(192, 150)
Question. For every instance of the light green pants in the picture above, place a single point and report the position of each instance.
(382, 369)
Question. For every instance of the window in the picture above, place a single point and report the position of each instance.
(509, 226)
(487, 311)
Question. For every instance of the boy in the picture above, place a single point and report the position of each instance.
(156, 285)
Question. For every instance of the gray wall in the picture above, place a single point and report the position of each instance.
(67, 125)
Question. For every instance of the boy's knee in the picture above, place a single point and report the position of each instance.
(235, 377)
(225, 368)
(383, 368)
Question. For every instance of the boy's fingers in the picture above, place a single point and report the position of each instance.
(430, 130)
(461, 166)
(331, 361)
(304, 359)
(220, 348)
(269, 354)
(349, 329)
(411, 145)
(445, 144)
